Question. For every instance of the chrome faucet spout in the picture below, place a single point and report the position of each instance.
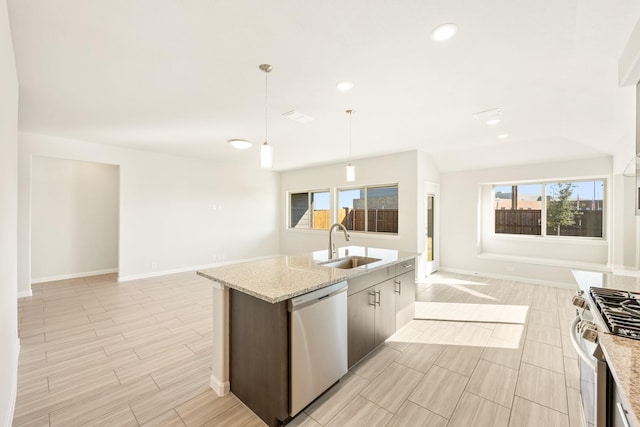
(347, 237)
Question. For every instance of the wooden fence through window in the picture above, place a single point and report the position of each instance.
(521, 221)
(379, 220)
(321, 219)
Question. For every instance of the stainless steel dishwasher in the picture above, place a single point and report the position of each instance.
(318, 353)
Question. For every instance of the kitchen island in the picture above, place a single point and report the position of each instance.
(622, 354)
(250, 300)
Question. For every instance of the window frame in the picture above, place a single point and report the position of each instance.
(366, 189)
(309, 193)
(543, 220)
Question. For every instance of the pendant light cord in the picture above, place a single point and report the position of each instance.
(350, 127)
(266, 105)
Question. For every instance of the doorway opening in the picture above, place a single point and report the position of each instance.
(431, 249)
(74, 219)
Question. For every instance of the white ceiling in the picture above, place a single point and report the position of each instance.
(182, 77)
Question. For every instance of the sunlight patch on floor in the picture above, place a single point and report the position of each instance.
(464, 312)
(465, 334)
(473, 292)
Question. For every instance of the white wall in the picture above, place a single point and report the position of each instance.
(468, 245)
(74, 218)
(625, 224)
(407, 169)
(167, 216)
(9, 344)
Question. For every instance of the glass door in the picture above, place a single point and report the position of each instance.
(430, 227)
(431, 234)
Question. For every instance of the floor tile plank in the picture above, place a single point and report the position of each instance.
(98, 352)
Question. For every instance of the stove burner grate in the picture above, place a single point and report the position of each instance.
(620, 310)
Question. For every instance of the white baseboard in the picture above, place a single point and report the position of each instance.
(513, 278)
(24, 294)
(13, 384)
(74, 275)
(191, 268)
(221, 388)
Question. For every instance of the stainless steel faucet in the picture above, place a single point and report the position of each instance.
(332, 247)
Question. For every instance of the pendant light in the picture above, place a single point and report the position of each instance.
(351, 170)
(266, 157)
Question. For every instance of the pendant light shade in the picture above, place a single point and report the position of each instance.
(351, 169)
(266, 156)
(351, 173)
(266, 159)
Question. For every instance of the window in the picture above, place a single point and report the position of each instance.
(309, 210)
(371, 209)
(565, 208)
(518, 209)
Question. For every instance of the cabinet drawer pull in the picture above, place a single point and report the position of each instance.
(399, 289)
(372, 294)
(378, 298)
(407, 265)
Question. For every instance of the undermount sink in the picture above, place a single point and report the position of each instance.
(350, 262)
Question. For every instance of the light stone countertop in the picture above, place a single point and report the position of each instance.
(284, 277)
(623, 357)
(622, 354)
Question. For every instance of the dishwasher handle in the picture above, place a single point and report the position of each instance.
(312, 297)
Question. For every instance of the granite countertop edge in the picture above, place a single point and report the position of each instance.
(272, 300)
(325, 276)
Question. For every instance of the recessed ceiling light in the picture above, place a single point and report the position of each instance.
(492, 122)
(240, 144)
(444, 32)
(503, 136)
(344, 86)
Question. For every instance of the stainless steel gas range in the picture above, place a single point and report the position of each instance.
(602, 310)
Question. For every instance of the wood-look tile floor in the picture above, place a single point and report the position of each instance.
(481, 352)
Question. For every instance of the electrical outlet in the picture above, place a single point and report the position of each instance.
(154, 265)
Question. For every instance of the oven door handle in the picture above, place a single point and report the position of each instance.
(575, 341)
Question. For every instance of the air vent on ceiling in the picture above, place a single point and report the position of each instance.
(297, 116)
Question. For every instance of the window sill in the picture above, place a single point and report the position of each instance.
(352, 233)
(562, 240)
(307, 230)
(546, 261)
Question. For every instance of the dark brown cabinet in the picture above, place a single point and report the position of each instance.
(371, 319)
(259, 355)
(360, 325)
(405, 288)
(385, 311)
(379, 303)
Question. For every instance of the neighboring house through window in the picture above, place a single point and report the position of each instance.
(310, 210)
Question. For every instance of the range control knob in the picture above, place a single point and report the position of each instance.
(590, 334)
(578, 301)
